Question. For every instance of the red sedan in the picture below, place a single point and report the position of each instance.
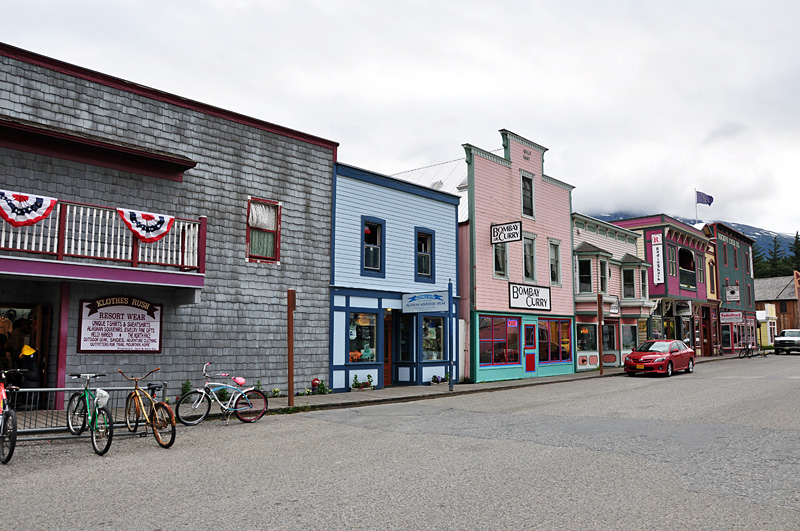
(661, 356)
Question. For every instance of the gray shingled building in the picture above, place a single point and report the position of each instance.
(251, 206)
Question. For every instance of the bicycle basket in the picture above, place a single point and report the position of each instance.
(238, 380)
(101, 398)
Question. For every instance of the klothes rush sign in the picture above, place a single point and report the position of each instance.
(120, 324)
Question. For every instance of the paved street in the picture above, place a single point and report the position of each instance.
(718, 449)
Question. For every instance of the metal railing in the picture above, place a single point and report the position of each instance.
(76, 230)
(39, 417)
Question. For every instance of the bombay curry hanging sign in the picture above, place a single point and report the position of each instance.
(120, 324)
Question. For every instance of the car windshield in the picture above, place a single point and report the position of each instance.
(653, 346)
(790, 333)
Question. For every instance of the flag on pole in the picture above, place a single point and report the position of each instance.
(704, 199)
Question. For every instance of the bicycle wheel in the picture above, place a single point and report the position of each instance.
(251, 405)
(192, 408)
(742, 353)
(132, 413)
(102, 430)
(163, 425)
(8, 436)
(76, 414)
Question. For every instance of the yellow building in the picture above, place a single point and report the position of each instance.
(767, 325)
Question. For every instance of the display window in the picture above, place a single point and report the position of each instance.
(362, 334)
(629, 336)
(587, 338)
(555, 340)
(432, 338)
(499, 340)
(609, 337)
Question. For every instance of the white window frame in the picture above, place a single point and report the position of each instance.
(551, 243)
(591, 275)
(523, 176)
(495, 274)
(531, 238)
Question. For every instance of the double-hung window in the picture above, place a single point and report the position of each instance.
(424, 257)
(643, 273)
(373, 247)
(500, 260)
(603, 276)
(555, 262)
(585, 275)
(263, 230)
(628, 284)
(529, 258)
(527, 195)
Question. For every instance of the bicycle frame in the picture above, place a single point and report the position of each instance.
(143, 411)
(208, 391)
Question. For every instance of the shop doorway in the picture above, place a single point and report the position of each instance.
(529, 350)
(388, 341)
(22, 324)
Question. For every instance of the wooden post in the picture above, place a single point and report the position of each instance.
(290, 342)
(600, 331)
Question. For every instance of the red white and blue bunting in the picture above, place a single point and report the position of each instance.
(24, 209)
(147, 227)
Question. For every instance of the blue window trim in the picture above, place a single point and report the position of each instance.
(417, 277)
(369, 272)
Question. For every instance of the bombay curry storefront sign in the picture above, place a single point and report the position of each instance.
(120, 324)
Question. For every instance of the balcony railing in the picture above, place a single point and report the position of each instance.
(78, 231)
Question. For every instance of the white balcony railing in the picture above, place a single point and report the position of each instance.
(74, 230)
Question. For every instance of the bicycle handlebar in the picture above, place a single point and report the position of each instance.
(87, 375)
(225, 374)
(139, 378)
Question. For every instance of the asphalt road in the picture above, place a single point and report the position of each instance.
(717, 449)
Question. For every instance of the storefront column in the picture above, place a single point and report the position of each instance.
(63, 334)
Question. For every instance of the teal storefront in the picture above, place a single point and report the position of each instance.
(513, 346)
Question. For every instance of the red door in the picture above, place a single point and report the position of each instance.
(529, 348)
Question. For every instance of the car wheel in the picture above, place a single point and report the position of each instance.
(630, 373)
(777, 352)
(690, 368)
(669, 369)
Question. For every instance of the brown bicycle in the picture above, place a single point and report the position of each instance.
(140, 406)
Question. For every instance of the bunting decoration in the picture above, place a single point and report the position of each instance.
(24, 209)
(147, 227)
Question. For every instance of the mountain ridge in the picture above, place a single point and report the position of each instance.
(762, 237)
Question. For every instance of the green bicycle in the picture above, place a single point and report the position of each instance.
(90, 408)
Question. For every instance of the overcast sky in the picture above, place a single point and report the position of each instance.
(639, 102)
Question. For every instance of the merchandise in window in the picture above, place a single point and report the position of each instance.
(587, 338)
(609, 337)
(499, 340)
(363, 332)
(555, 340)
(263, 230)
(432, 338)
(629, 333)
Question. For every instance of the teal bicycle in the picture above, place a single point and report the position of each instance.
(87, 408)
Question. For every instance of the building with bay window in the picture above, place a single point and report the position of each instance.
(737, 313)
(677, 281)
(145, 230)
(394, 281)
(611, 284)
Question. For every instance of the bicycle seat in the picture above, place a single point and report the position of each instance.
(154, 387)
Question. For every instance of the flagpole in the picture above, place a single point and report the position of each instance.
(695, 206)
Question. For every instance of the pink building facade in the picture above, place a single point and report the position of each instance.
(517, 291)
(608, 274)
(679, 281)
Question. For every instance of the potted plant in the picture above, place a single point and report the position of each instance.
(362, 386)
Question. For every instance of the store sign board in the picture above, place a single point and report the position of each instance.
(119, 324)
(730, 317)
(507, 232)
(434, 301)
(525, 297)
(658, 259)
(614, 307)
(732, 293)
